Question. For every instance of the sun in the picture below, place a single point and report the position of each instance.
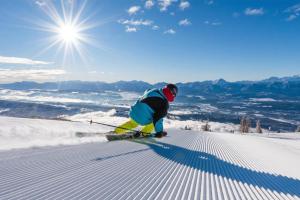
(68, 33)
(68, 28)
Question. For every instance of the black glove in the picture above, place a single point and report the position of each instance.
(137, 134)
(160, 134)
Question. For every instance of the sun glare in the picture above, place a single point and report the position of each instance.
(68, 33)
(68, 28)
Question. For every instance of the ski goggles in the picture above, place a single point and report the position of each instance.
(173, 91)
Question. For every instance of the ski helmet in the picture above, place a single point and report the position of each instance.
(170, 91)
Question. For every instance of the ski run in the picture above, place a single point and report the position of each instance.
(183, 165)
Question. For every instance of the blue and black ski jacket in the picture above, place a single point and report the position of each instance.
(152, 107)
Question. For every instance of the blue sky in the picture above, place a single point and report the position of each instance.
(153, 41)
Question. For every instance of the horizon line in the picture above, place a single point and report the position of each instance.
(76, 80)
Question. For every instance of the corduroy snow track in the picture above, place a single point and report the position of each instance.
(184, 165)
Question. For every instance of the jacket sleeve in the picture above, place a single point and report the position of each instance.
(159, 126)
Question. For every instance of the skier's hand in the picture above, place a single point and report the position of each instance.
(137, 134)
(160, 134)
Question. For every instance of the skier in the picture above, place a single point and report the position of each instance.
(149, 111)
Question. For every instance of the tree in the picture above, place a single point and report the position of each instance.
(187, 128)
(245, 125)
(206, 127)
(258, 127)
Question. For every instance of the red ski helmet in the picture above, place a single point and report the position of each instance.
(170, 91)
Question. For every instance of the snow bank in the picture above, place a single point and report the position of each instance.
(26, 133)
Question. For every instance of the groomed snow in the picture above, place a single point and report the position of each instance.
(183, 165)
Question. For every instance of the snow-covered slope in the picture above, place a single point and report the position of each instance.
(184, 165)
(24, 133)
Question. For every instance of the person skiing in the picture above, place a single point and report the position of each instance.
(149, 111)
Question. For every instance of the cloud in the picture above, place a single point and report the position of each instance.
(130, 29)
(184, 5)
(131, 25)
(149, 4)
(94, 72)
(254, 11)
(214, 23)
(24, 61)
(164, 4)
(133, 10)
(139, 22)
(8, 75)
(155, 27)
(40, 3)
(291, 17)
(170, 31)
(184, 22)
(294, 8)
(294, 12)
(209, 2)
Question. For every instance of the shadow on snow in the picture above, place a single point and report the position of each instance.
(211, 164)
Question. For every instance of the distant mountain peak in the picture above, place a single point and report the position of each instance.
(219, 81)
(283, 79)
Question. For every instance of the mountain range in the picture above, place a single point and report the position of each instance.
(274, 87)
